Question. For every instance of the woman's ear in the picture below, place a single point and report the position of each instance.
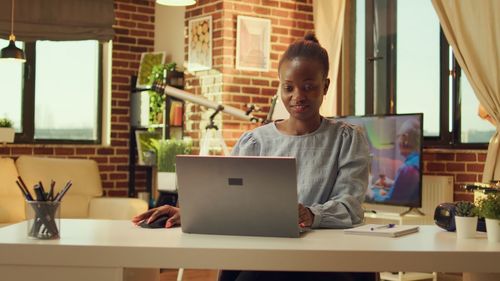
(327, 84)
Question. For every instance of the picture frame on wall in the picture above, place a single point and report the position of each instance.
(148, 61)
(145, 150)
(200, 44)
(253, 43)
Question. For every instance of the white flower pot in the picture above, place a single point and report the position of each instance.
(493, 230)
(7, 135)
(167, 181)
(466, 227)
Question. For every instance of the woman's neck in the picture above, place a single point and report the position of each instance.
(297, 127)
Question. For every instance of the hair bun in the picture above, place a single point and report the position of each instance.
(310, 36)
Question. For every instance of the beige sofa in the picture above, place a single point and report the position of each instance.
(83, 200)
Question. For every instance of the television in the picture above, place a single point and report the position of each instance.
(395, 171)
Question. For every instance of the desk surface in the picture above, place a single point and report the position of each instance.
(104, 243)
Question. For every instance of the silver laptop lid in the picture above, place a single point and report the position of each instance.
(254, 196)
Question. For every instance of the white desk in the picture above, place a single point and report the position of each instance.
(99, 249)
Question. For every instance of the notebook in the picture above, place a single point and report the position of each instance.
(382, 230)
(254, 196)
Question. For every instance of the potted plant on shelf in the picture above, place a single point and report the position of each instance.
(7, 131)
(489, 208)
(465, 219)
(166, 151)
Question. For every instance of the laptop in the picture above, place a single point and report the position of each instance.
(238, 195)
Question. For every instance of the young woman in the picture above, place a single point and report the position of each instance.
(332, 156)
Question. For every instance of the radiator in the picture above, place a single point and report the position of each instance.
(435, 190)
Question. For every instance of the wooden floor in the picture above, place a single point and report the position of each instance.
(211, 275)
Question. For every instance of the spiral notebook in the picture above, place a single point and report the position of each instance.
(387, 230)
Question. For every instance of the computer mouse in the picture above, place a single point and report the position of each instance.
(157, 223)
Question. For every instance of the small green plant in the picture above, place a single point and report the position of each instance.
(465, 209)
(489, 207)
(6, 123)
(166, 150)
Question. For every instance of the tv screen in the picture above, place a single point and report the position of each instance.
(395, 143)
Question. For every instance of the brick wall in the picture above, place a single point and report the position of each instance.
(466, 166)
(290, 20)
(134, 27)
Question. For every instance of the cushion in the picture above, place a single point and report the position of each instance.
(83, 173)
(11, 198)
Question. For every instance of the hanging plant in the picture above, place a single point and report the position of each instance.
(158, 74)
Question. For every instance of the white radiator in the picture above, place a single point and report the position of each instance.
(435, 190)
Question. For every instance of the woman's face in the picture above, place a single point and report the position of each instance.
(303, 86)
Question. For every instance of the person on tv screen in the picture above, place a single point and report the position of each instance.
(405, 187)
(332, 156)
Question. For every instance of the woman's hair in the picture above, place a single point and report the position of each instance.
(309, 48)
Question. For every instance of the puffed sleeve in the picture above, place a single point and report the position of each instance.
(344, 207)
(247, 145)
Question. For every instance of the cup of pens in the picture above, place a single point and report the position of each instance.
(43, 210)
(43, 219)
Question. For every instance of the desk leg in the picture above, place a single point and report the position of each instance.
(60, 273)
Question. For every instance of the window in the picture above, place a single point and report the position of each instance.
(56, 98)
(405, 65)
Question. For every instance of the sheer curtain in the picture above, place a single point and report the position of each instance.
(473, 30)
(329, 26)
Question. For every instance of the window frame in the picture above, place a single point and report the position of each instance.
(447, 138)
(27, 136)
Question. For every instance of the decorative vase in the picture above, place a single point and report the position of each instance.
(493, 230)
(7, 135)
(466, 227)
(167, 181)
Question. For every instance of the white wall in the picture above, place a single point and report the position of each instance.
(169, 33)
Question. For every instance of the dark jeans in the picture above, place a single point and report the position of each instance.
(231, 275)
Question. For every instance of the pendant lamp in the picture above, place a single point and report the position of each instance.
(11, 51)
(176, 2)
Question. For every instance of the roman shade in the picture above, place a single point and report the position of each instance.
(58, 20)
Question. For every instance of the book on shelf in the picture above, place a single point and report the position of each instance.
(176, 114)
(388, 230)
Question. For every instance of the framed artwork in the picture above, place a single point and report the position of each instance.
(253, 43)
(200, 44)
(148, 60)
(145, 150)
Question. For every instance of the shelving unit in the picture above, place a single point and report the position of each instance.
(173, 108)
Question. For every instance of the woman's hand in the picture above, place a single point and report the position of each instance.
(306, 217)
(173, 213)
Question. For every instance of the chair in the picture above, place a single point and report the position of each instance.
(84, 198)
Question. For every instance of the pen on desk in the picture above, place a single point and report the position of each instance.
(391, 225)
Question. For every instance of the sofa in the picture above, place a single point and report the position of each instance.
(83, 200)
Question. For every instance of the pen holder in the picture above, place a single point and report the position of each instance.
(43, 219)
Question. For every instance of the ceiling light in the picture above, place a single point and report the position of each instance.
(11, 51)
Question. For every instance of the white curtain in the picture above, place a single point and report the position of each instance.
(329, 26)
(473, 30)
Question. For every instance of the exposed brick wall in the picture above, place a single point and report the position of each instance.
(466, 166)
(134, 27)
(290, 20)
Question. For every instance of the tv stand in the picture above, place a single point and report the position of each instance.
(410, 210)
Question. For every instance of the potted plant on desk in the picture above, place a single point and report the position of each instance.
(166, 150)
(465, 219)
(489, 208)
(7, 131)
